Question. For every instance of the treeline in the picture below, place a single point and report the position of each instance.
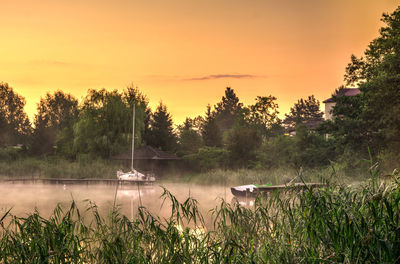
(99, 126)
(229, 134)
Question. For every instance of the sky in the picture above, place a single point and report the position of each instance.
(184, 52)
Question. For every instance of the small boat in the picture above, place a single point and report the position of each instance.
(247, 190)
(252, 190)
(134, 175)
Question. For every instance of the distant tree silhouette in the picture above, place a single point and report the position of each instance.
(105, 124)
(161, 130)
(227, 110)
(189, 138)
(56, 112)
(147, 136)
(14, 123)
(304, 111)
(210, 131)
(192, 123)
(263, 115)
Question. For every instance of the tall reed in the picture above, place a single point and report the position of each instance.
(335, 224)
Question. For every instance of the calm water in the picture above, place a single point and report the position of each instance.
(24, 198)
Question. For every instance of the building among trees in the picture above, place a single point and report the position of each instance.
(305, 112)
(331, 102)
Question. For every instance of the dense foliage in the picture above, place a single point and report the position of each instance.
(14, 123)
(104, 127)
(375, 123)
(161, 133)
(56, 114)
(305, 111)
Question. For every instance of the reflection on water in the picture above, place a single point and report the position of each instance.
(135, 193)
(24, 198)
(247, 202)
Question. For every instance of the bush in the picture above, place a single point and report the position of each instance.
(306, 149)
(11, 153)
(242, 144)
(54, 167)
(207, 158)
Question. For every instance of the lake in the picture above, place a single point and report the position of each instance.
(24, 198)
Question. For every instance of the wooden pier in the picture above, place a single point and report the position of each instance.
(63, 181)
(297, 186)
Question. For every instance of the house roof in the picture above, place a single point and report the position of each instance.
(343, 92)
(146, 153)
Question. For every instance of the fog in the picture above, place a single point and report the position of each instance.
(25, 198)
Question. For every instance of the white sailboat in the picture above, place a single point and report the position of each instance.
(134, 175)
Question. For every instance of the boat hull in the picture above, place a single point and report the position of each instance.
(135, 176)
(237, 193)
(244, 191)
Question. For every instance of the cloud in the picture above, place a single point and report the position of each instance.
(59, 63)
(222, 76)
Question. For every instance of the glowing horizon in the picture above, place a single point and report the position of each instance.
(184, 52)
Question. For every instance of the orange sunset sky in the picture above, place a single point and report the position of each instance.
(184, 52)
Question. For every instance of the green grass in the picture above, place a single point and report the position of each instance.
(282, 175)
(238, 177)
(54, 167)
(336, 224)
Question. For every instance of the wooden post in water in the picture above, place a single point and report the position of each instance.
(115, 196)
(140, 198)
(132, 208)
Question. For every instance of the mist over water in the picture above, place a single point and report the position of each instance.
(25, 198)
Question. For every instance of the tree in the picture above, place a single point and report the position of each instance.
(147, 123)
(56, 112)
(310, 149)
(264, 111)
(305, 111)
(192, 123)
(207, 158)
(105, 123)
(210, 130)
(381, 55)
(347, 128)
(377, 73)
(14, 123)
(131, 95)
(263, 115)
(189, 138)
(227, 110)
(161, 131)
(242, 143)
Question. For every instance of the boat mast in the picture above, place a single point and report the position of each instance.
(133, 134)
